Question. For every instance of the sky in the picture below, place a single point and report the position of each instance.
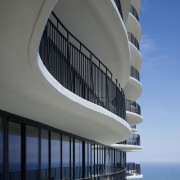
(160, 78)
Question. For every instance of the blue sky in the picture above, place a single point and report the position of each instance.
(160, 77)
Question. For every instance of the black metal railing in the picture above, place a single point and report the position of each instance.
(118, 174)
(133, 40)
(76, 68)
(134, 126)
(133, 140)
(118, 4)
(134, 73)
(132, 168)
(134, 12)
(132, 106)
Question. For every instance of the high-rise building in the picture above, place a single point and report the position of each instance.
(69, 81)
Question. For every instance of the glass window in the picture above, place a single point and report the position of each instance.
(44, 155)
(96, 159)
(14, 151)
(1, 149)
(65, 157)
(92, 158)
(88, 160)
(72, 153)
(32, 153)
(100, 160)
(78, 159)
(55, 156)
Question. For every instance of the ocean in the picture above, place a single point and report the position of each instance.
(160, 171)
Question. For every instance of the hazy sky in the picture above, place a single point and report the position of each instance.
(160, 77)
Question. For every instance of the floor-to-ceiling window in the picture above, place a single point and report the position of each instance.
(66, 157)
(32, 153)
(78, 159)
(44, 174)
(14, 151)
(55, 156)
(1, 150)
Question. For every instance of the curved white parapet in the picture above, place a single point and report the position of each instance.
(127, 147)
(101, 29)
(134, 130)
(134, 176)
(25, 87)
(136, 57)
(136, 4)
(134, 27)
(133, 118)
(133, 89)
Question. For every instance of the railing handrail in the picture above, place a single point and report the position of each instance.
(105, 175)
(72, 55)
(82, 45)
(132, 106)
(135, 168)
(133, 40)
(134, 12)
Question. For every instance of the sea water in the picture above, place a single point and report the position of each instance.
(160, 171)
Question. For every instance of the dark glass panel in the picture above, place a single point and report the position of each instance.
(88, 160)
(1, 149)
(44, 155)
(78, 159)
(55, 156)
(65, 157)
(32, 153)
(14, 151)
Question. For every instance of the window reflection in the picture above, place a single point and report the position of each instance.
(55, 155)
(65, 157)
(32, 149)
(14, 152)
(78, 159)
(1, 149)
(44, 155)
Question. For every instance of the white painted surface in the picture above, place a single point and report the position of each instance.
(133, 118)
(134, 27)
(133, 89)
(136, 57)
(126, 147)
(136, 4)
(135, 176)
(125, 5)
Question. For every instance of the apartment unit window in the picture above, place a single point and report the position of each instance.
(14, 153)
(78, 159)
(44, 174)
(32, 153)
(1, 149)
(55, 156)
(66, 157)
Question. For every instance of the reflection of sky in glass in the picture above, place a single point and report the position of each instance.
(44, 149)
(32, 148)
(55, 150)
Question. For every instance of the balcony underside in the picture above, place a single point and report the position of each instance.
(134, 27)
(133, 118)
(101, 29)
(133, 89)
(127, 147)
(26, 92)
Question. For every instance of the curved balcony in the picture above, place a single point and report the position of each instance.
(133, 112)
(130, 145)
(133, 40)
(133, 128)
(119, 174)
(134, 73)
(133, 171)
(76, 68)
(134, 12)
(132, 106)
